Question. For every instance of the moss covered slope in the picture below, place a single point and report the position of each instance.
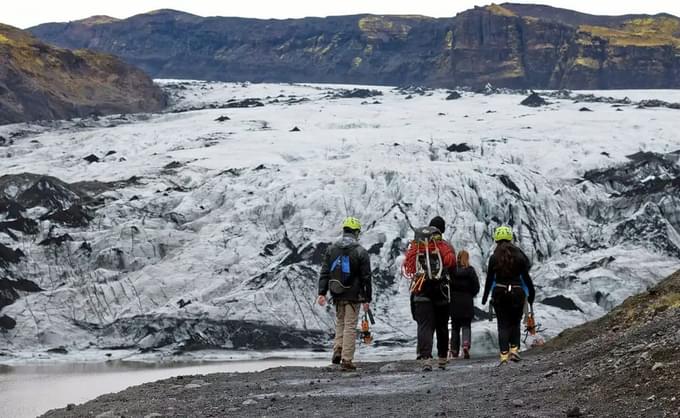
(38, 81)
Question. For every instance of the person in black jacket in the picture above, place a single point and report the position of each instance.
(509, 283)
(430, 308)
(346, 272)
(464, 287)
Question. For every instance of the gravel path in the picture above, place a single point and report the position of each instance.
(466, 389)
(622, 365)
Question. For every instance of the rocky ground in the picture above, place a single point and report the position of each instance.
(623, 364)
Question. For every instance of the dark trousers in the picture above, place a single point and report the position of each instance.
(458, 326)
(509, 307)
(432, 318)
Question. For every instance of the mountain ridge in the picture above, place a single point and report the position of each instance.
(573, 17)
(507, 45)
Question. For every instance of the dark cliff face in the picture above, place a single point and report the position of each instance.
(521, 46)
(38, 81)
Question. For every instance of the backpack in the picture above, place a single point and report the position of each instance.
(426, 257)
(340, 272)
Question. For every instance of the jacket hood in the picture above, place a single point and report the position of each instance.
(348, 241)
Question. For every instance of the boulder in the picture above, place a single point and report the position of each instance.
(7, 323)
(462, 147)
(534, 100)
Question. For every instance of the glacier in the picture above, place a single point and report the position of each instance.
(201, 229)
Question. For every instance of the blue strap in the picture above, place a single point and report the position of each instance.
(524, 286)
(335, 263)
(345, 264)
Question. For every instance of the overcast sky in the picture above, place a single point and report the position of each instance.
(26, 13)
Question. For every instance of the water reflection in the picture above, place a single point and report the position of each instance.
(30, 390)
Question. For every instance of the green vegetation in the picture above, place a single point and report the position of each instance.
(449, 39)
(376, 27)
(318, 45)
(65, 81)
(640, 32)
(516, 71)
(587, 62)
(661, 26)
(499, 10)
(98, 20)
(670, 301)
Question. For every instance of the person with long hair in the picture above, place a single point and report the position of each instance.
(510, 286)
(464, 287)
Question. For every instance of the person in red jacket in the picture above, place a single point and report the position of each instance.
(430, 291)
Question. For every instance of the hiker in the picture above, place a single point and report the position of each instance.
(510, 286)
(346, 272)
(464, 287)
(430, 289)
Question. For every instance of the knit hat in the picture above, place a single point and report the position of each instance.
(438, 222)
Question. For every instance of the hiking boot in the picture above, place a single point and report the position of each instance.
(466, 351)
(337, 356)
(427, 365)
(505, 356)
(347, 365)
(442, 362)
(514, 354)
(453, 354)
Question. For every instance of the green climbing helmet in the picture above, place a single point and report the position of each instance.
(351, 223)
(502, 233)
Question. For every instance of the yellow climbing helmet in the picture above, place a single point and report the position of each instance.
(502, 233)
(351, 223)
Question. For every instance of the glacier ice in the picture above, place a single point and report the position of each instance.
(197, 234)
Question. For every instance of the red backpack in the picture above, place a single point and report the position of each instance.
(427, 258)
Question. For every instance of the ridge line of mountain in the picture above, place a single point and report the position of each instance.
(508, 45)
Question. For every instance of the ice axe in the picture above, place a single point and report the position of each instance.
(532, 328)
(365, 332)
(531, 322)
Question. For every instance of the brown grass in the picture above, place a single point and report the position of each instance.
(646, 32)
(499, 10)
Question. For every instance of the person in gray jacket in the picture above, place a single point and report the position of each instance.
(346, 272)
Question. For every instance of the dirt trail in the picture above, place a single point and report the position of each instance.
(533, 388)
(622, 365)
